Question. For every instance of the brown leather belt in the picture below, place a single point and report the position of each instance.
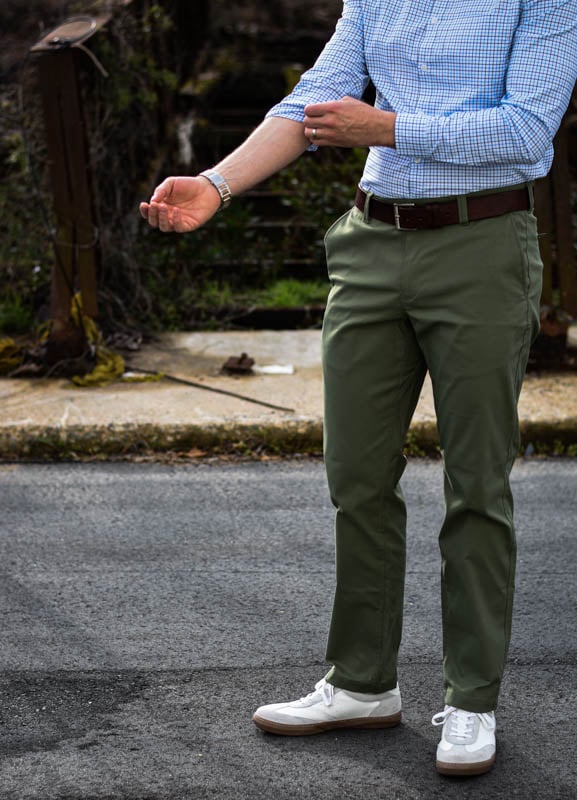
(413, 217)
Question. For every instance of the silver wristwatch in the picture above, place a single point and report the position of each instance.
(220, 185)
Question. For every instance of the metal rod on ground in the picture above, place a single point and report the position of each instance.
(213, 389)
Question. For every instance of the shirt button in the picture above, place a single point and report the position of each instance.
(424, 67)
(418, 160)
(434, 20)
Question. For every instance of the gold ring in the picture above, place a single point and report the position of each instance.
(314, 133)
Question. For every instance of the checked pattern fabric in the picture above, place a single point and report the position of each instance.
(479, 88)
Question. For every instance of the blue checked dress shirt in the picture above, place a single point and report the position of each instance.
(479, 88)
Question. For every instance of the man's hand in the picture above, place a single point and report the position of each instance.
(181, 204)
(349, 123)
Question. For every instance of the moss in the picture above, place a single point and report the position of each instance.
(90, 443)
(284, 439)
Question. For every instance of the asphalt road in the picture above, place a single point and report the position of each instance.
(147, 610)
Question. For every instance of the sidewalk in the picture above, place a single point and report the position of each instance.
(52, 419)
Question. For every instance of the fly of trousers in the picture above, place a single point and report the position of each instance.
(463, 303)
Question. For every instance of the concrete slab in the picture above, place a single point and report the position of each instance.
(54, 419)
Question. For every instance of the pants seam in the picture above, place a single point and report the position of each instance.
(510, 453)
(386, 584)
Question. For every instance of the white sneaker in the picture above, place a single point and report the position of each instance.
(467, 746)
(329, 707)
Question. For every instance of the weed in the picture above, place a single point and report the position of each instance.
(14, 316)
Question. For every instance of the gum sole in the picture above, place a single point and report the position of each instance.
(308, 730)
(464, 770)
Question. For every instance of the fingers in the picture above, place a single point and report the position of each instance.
(315, 135)
(163, 191)
(320, 109)
(167, 217)
(330, 123)
(319, 121)
(151, 210)
(315, 115)
(156, 212)
(161, 216)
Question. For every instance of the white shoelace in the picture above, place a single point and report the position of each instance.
(326, 691)
(461, 722)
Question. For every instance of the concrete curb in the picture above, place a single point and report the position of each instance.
(287, 438)
(97, 442)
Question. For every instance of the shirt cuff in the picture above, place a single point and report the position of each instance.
(415, 134)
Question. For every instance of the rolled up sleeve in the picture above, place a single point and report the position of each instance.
(339, 71)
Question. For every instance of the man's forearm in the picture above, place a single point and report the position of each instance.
(276, 143)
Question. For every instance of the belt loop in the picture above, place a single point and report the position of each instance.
(531, 193)
(366, 209)
(463, 209)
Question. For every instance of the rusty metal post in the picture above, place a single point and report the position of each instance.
(76, 241)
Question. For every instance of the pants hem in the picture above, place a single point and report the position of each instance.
(480, 702)
(363, 688)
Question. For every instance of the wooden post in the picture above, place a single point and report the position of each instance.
(546, 227)
(553, 207)
(193, 21)
(76, 236)
(566, 266)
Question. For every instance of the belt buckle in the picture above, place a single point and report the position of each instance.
(396, 207)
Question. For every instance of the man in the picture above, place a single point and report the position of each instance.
(435, 268)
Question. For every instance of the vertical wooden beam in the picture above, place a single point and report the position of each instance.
(566, 266)
(193, 21)
(76, 241)
(546, 227)
(68, 161)
(50, 79)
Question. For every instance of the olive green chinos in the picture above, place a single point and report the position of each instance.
(462, 302)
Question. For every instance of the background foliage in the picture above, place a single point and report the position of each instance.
(148, 280)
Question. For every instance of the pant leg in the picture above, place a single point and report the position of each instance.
(373, 373)
(476, 338)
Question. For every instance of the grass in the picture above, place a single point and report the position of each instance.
(291, 293)
(286, 293)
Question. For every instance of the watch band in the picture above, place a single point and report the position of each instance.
(220, 185)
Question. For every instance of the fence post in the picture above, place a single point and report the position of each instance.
(544, 214)
(77, 252)
(553, 207)
(565, 251)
